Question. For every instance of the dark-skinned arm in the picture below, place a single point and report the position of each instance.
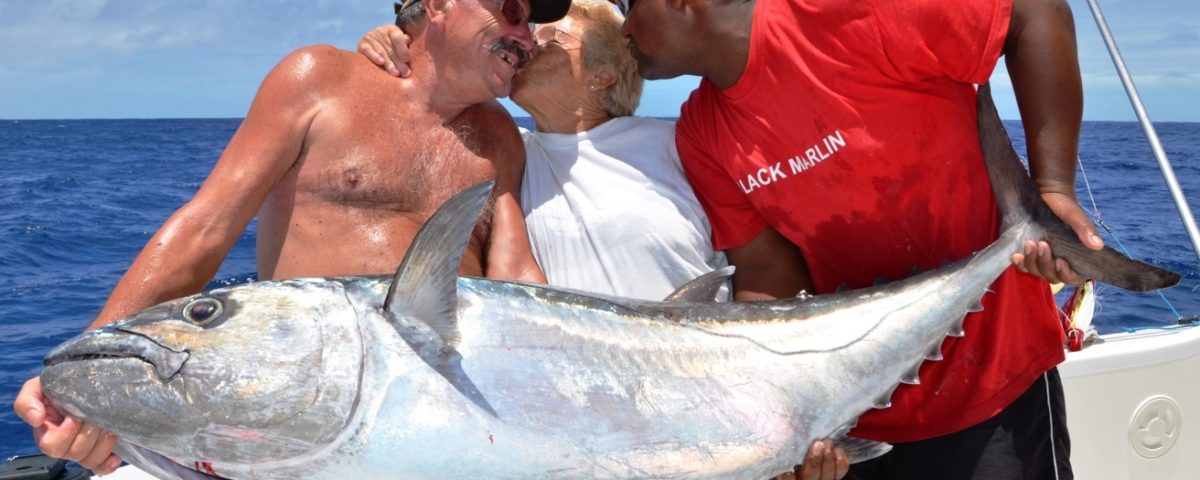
(1044, 65)
(769, 267)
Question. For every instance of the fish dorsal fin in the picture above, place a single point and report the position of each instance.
(422, 301)
(426, 284)
(703, 288)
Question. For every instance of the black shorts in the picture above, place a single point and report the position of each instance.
(1026, 441)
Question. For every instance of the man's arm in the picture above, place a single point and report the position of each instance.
(187, 250)
(1044, 66)
(769, 267)
(185, 253)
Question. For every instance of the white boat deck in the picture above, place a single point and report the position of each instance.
(1127, 400)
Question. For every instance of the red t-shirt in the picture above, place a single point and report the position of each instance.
(852, 132)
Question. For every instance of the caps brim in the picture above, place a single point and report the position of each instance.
(546, 11)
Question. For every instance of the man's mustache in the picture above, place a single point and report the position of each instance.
(523, 56)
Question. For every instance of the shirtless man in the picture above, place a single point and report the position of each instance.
(343, 163)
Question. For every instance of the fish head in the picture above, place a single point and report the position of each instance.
(245, 374)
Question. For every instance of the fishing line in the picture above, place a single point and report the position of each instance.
(1095, 213)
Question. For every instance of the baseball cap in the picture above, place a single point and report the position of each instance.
(540, 11)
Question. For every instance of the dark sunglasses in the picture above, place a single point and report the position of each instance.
(513, 11)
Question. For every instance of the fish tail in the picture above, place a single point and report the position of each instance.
(1020, 203)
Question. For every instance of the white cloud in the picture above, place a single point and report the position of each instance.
(55, 27)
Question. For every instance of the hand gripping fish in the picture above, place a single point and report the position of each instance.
(430, 375)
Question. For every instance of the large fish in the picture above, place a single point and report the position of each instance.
(429, 375)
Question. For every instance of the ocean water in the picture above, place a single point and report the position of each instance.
(79, 199)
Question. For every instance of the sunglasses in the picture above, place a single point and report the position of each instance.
(546, 34)
(513, 11)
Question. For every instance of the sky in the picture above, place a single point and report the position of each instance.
(73, 59)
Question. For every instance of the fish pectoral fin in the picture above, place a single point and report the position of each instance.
(442, 358)
(860, 450)
(703, 288)
(425, 287)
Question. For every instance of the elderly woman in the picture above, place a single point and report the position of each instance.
(605, 199)
(606, 202)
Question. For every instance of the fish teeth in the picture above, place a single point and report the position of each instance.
(911, 378)
(935, 353)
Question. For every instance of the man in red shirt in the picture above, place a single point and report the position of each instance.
(834, 142)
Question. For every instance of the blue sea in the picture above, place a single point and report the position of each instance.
(79, 199)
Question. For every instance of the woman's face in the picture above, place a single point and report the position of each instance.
(556, 70)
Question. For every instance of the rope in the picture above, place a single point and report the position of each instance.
(1095, 213)
(1184, 323)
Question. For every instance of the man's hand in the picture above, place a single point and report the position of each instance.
(823, 462)
(60, 436)
(387, 47)
(1037, 257)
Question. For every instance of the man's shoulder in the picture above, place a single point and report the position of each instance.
(318, 63)
(320, 54)
(698, 113)
(493, 119)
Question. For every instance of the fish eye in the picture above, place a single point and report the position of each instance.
(201, 311)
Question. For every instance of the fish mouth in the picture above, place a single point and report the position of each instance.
(113, 342)
(130, 451)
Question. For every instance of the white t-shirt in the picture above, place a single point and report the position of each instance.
(610, 211)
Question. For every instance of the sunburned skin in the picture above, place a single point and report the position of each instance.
(341, 164)
(366, 180)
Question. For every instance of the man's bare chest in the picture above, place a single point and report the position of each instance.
(399, 170)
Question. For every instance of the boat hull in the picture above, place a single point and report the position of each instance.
(1128, 400)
